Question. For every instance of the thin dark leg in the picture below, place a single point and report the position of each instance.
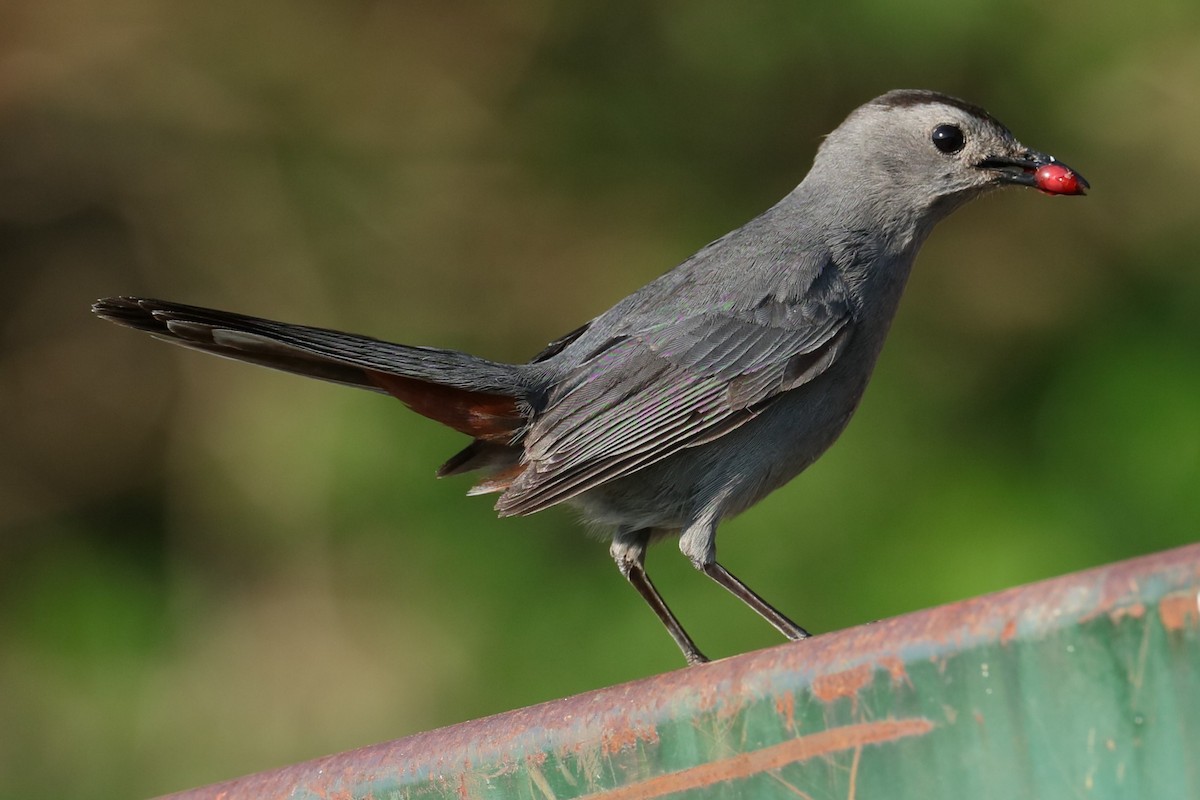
(747, 595)
(629, 551)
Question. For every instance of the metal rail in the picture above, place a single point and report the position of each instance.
(1087, 685)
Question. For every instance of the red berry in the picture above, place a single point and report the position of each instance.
(1057, 179)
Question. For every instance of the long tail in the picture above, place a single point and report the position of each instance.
(481, 398)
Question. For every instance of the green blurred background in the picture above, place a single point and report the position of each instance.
(208, 569)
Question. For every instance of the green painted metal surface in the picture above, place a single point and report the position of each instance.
(1086, 686)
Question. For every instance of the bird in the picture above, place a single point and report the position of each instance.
(694, 397)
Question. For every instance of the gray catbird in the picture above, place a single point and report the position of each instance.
(697, 395)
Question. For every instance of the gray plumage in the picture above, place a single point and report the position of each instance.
(697, 395)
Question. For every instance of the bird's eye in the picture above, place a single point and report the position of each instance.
(948, 138)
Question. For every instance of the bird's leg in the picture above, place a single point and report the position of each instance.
(751, 598)
(699, 544)
(628, 549)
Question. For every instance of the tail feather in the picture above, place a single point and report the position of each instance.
(487, 416)
(484, 399)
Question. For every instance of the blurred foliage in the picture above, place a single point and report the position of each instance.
(208, 569)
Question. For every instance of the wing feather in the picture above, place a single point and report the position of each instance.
(647, 394)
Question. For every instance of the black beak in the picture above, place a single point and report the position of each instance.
(1027, 170)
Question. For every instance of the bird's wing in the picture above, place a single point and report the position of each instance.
(647, 394)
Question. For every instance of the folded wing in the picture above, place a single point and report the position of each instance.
(645, 395)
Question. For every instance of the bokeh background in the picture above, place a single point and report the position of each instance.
(207, 569)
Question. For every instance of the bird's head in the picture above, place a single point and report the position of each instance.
(930, 153)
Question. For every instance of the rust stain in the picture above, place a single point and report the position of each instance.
(323, 787)
(1009, 633)
(1179, 610)
(1134, 611)
(785, 706)
(846, 683)
(895, 669)
(618, 739)
(743, 765)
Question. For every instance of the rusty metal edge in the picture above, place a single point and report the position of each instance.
(1024, 611)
